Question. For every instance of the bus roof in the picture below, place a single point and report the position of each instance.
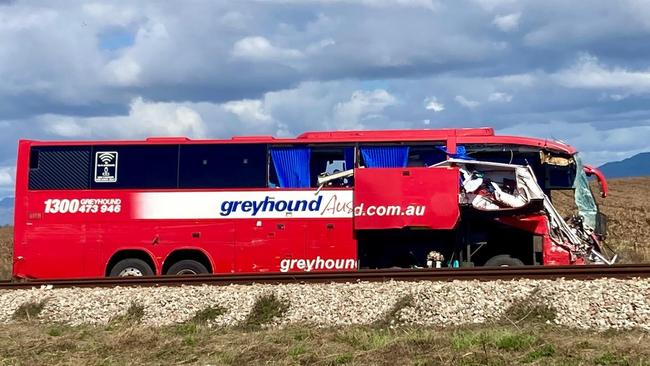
(482, 135)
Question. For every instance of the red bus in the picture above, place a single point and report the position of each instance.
(342, 200)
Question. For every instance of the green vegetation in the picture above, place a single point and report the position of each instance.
(29, 310)
(265, 309)
(208, 314)
(529, 310)
(392, 316)
(133, 314)
(34, 343)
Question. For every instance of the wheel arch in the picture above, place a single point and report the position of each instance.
(125, 253)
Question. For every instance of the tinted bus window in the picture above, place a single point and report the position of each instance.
(223, 166)
(59, 167)
(135, 167)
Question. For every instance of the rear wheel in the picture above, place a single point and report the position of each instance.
(503, 260)
(131, 267)
(186, 267)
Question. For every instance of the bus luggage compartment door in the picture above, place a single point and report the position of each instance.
(392, 198)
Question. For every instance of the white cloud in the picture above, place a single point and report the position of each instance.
(145, 119)
(260, 49)
(248, 110)
(517, 79)
(7, 175)
(123, 71)
(471, 104)
(363, 104)
(490, 5)
(67, 127)
(588, 140)
(508, 22)
(500, 97)
(427, 4)
(432, 104)
(589, 73)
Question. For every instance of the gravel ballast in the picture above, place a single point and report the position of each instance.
(597, 304)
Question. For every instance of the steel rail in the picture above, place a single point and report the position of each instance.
(587, 272)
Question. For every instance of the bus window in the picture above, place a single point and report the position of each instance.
(300, 166)
(425, 155)
(329, 160)
(59, 167)
(222, 166)
(135, 167)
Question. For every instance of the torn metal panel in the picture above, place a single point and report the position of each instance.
(577, 240)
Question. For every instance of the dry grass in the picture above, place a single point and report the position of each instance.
(628, 209)
(6, 252)
(39, 344)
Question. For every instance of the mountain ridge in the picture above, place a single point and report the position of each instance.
(634, 166)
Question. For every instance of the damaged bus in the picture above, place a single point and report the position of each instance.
(323, 201)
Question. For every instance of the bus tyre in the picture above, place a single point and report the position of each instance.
(503, 260)
(186, 267)
(131, 267)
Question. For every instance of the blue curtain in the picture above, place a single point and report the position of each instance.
(385, 156)
(461, 153)
(348, 155)
(292, 166)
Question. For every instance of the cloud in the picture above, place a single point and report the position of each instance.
(596, 146)
(507, 23)
(427, 4)
(7, 175)
(589, 73)
(471, 104)
(350, 115)
(250, 111)
(123, 71)
(89, 70)
(432, 104)
(500, 97)
(145, 119)
(260, 49)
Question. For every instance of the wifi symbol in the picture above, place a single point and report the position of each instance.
(106, 157)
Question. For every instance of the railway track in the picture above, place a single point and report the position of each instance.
(449, 274)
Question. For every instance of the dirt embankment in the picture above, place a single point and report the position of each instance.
(6, 250)
(628, 210)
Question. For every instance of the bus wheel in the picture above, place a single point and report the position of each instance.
(186, 267)
(503, 260)
(131, 267)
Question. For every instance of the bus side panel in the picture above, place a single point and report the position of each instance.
(214, 238)
(331, 239)
(20, 210)
(266, 245)
(393, 198)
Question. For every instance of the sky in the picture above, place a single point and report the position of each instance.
(572, 71)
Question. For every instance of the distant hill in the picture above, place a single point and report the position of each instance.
(6, 211)
(636, 166)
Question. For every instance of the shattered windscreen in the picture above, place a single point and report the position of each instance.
(583, 197)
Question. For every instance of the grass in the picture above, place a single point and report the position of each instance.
(265, 310)
(206, 315)
(628, 210)
(133, 315)
(29, 310)
(528, 310)
(32, 343)
(392, 315)
(6, 250)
